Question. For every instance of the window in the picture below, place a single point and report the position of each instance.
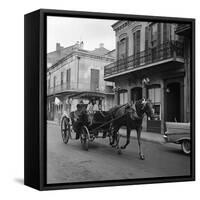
(122, 48)
(136, 46)
(61, 78)
(49, 83)
(94, 80)
(165, 32)
(123, 98)
(154, 94)
(54, 81)
(154, 30)
(155, 40)
(136, 42)
(68, 78)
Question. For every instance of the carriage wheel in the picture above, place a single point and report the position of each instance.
(65, 130)
(85, 138)
(186, 146)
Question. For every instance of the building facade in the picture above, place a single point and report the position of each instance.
(78, 72)
(151, 63)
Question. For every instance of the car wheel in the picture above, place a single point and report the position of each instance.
(186, 146)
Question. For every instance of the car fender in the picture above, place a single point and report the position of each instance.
(180, 140)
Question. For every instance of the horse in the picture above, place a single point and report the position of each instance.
(132, 118)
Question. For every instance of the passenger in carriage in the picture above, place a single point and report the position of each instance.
(90, 107)
(95, 107)
(100, 108)
(78, 117)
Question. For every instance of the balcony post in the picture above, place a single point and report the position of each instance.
(162, 87)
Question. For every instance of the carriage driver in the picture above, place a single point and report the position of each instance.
(77, 120)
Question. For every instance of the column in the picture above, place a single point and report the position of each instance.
(144, 95)
(162, 91)
(116, 102)
(129, 94)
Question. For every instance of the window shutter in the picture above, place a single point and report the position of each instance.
(118, 50)
(146, 37)
(134, 43)
(126, 47)
(68, 78)
(138, 41)
(165, 32)
(159, 34)
(61, 78)
(54, 81)
(146, 43)
(94, 80)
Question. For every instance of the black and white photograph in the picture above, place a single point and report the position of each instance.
(118, 101)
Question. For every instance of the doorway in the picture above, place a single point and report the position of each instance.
(136, 94)
(173, 102)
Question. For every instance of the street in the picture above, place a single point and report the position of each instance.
(70, 163)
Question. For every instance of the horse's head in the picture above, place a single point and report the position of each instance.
(144, 106)
(148, 108)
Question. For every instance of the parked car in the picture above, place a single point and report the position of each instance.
(178, 133)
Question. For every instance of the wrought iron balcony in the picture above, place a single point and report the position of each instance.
(73, 86)
(168, 51)
(183, 29)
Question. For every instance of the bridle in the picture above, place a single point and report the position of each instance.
(142, 109)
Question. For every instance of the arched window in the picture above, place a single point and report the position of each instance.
(122, 47)
(136, 42)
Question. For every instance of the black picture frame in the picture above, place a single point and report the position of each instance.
(35, 48)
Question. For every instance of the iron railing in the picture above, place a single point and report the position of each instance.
(181, 27)
(73, 86)
(170, 49)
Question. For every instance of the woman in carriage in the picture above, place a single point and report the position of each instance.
(79, 118)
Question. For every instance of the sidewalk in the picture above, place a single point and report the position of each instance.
(146, 136)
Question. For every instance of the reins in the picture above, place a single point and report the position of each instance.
(108, 122)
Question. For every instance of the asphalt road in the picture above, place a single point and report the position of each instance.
(70, 163)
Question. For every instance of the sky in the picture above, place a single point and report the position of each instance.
(68, 30)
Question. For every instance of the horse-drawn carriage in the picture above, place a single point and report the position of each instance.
(102, 124)
(80, 124)
(85, 128)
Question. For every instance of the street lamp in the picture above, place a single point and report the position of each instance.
(146, 81)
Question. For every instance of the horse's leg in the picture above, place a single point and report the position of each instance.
(128, 132)
(112, 141)
(141, 155)
(115, 140)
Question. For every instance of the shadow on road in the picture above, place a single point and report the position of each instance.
(177, 151)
